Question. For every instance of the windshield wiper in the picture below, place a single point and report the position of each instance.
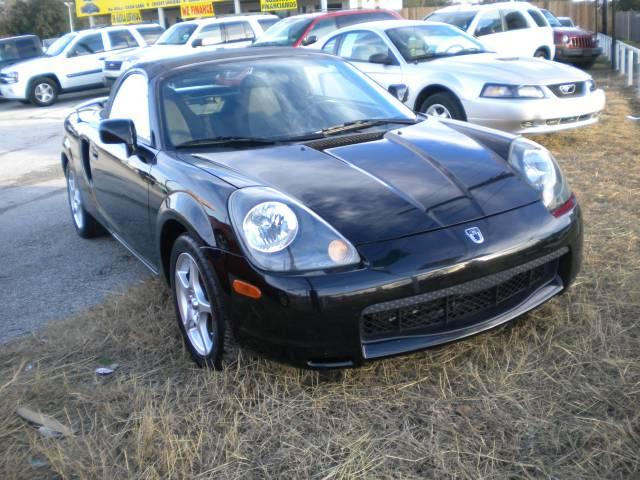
(365, 123)
(227, 141)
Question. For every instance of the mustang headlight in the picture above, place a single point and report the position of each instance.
(495, 90)
(279, 234)
(541, 171)
(11, 77)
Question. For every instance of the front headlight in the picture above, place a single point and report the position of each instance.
(11, 77)
(541, 171)
(281, 235)
(495, 90)
(565, 39)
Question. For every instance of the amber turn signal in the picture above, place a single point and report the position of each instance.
(246, 289)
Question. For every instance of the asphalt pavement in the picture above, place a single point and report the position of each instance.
(47, 272)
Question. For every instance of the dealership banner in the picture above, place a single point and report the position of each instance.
(272, 5)
(85, 8)
(126, 17)
(196, 9)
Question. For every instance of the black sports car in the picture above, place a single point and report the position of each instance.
(290, 200)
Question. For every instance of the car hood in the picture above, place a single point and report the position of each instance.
(513, 70)
(415, 179)
(572, 31)
(34, 63)
(125, 53)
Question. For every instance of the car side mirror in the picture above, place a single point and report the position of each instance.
(119, 130)
(381, 58)
(309, 40)
(400, 91)
(196, 43)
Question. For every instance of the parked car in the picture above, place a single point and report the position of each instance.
(17, 49)
(234, 31)
(289, 199)
(447, 73)
(566, 21)
(71, 63)
(508, 28)
(573, 45)
(305, 30)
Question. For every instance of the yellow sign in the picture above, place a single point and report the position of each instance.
(126, 17)
(196, 9)
(272, 5)
(85, 8)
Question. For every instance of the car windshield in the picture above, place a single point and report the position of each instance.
(270, 99)
(462, 20)
(284, 33)
(553, 21)
(423, 42)
(177, 35)
(60, 44)
(566, 22)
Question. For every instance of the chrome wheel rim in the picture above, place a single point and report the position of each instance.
(438, 110)
(75, 200)
(43, 92)
(193, 304)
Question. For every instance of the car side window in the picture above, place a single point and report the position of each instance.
(122, 39)
(489, 23)
(132, 102)
(361, 46)
(88, 45)
(322, 28)
(330, 46)
(515, 20)
(238, 32)
(538, 17)
(211, 34)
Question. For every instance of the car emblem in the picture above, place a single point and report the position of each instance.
(568, 88)
(474, 234)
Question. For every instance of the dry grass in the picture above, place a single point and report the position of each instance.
(553, 395)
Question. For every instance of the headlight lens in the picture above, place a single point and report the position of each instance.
(11, 77)
(541, 171)
(494, 90)
(565, 38)
(270, 227)
(281, 235)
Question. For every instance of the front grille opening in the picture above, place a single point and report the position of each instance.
(456, 310)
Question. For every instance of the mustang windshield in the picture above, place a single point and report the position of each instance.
(284, 33)
(425, 42)
(270, 100)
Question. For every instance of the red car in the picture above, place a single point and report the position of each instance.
(573, 45)
(303, 30)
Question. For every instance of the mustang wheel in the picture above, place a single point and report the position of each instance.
(443, 105)
(43, 92)
(85, 224)
(197, 302)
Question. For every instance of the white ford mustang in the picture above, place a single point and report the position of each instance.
(439, 70)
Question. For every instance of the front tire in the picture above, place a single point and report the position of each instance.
(541, 53)
(198, 305)
(86, 226)
(443, 105)
(43, 92)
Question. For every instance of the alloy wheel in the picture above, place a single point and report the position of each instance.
(438, 110)
(75, 200)
(43, 92)
(193, 304)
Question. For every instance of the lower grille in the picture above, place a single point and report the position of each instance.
(458, 306)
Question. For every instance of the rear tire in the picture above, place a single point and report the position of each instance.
(443, 105)
(43, 91)
(86, 226)
(198, 303)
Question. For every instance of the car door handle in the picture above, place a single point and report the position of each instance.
(94, 153)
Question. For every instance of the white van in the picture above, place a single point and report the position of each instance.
(507, 28)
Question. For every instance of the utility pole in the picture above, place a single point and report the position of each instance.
(236, 7)
(69, 6)
(613, 33)
(605, 20)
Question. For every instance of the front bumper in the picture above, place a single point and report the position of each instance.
(317, 320)
(577, 55)
(536, 116)
(13, 91)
